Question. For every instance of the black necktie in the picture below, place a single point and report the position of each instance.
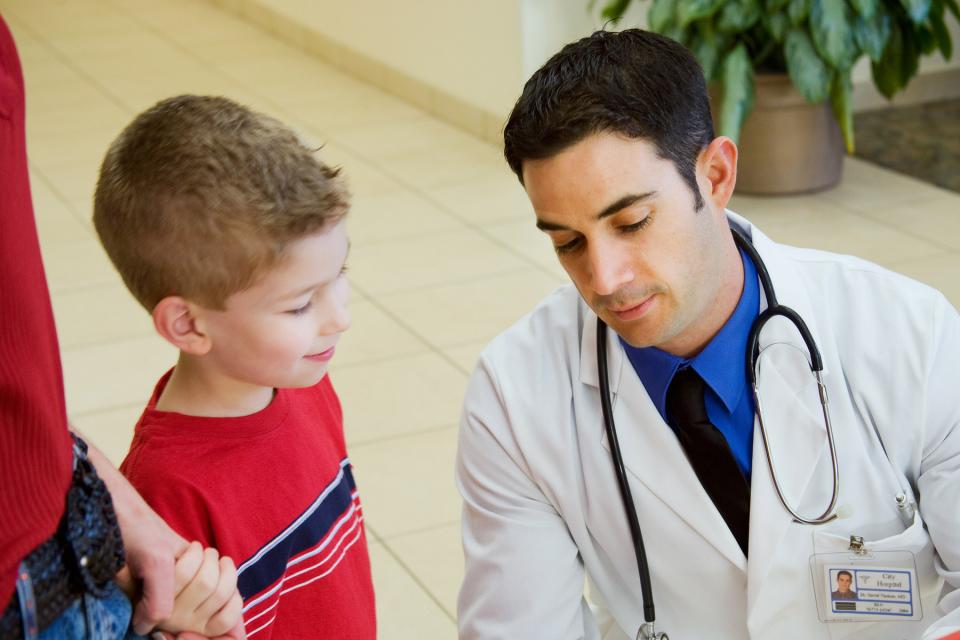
(709, 453)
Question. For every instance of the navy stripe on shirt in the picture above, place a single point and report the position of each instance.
(270, 563)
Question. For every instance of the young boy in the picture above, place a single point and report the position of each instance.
(230, 233)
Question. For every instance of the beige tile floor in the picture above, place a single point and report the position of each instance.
(445, 254)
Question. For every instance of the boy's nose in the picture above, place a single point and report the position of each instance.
(338, 321)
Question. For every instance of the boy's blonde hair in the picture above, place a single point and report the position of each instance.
(198, 196)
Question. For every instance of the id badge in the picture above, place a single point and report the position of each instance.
(860, 585)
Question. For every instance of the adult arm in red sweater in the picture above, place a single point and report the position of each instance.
(35, 446)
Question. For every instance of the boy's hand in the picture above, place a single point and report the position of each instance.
(207, 601)
(151, 547)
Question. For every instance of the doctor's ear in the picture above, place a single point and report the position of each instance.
(717, 171)
(177, 321)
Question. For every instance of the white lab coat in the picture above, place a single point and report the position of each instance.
(542, 508)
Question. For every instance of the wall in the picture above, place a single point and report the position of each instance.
(466, 60)
(470, 49)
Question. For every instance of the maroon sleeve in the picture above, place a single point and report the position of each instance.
(35, 449)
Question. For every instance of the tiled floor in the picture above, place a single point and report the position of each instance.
(445, 254)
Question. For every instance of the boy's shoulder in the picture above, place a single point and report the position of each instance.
(197, 452)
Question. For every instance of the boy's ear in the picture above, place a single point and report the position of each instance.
(176, 321)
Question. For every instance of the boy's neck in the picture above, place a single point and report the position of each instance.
(194, 390)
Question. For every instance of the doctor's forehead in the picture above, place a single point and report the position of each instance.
(595, 173)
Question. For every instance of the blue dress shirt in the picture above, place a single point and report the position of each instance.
(722, 366)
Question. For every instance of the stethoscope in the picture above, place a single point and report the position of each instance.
(646, 631)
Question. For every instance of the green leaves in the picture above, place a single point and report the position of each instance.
(831, 28)
(842, 104)
(809, 73)
(690, 10)
(871, 34)
(738, 15)
(899, 61)
(614, 10)
(707, 46)
(918, 10)
(954, 8)
(816, 41)
(661, 15)
(865, 8)
(777, 24)
(798, 11)
(738, 92)
(941, 32)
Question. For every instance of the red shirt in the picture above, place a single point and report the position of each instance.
(35, 447)
(275, 492)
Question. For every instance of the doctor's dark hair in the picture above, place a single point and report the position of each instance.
(635, 83)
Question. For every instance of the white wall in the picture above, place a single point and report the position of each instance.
(470, 49)
(482, 51)
(547, 25)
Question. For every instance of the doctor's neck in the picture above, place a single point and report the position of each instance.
(721, 285)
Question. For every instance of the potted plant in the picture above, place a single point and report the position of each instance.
(752, 51)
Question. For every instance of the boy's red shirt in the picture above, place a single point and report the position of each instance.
(275, 492)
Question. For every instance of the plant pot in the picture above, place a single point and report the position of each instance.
(787, 145)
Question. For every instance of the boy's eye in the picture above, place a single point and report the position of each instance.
(301, 310)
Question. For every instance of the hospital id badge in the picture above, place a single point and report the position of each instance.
(860, 585)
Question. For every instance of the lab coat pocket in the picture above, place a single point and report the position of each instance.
(914, 539)
(914, 545)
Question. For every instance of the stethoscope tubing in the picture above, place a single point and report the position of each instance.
(649, 611)
(773, 309)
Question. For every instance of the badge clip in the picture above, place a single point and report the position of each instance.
(856, 545)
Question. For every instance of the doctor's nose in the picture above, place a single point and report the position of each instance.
(610, 268)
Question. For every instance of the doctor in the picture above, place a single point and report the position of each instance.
(613, 142)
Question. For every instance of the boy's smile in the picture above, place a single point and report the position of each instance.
(281, 332)
(323, 356)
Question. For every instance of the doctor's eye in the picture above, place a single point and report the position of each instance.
(636, 226)
(567, 247)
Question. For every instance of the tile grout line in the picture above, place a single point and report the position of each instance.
(414, 532)
(150, 28)
(372, 163)
(62, 199)
(416, 334)
(403, 436)
(435, 348)
(396, 556)
(439, 285)
(883, 223)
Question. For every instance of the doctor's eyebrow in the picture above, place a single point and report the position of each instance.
(609, 210)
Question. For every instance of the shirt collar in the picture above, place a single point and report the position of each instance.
(724, 354)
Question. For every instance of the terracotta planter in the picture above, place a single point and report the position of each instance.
(787, 144)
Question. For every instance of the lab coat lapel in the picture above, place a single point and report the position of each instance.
(794, 423)
(651, 452)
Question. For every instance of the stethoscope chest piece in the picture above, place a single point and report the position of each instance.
(647, 632)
